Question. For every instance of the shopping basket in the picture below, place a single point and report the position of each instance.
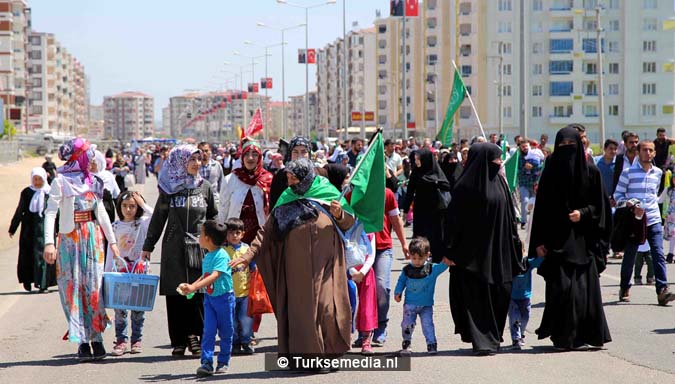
(129, 291)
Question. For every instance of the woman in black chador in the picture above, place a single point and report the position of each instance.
(483, 244)
(570, 229)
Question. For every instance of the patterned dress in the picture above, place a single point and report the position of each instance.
(79, 271)
(669, 232)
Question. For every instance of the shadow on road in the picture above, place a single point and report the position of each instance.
(66, 360)
(666, 331)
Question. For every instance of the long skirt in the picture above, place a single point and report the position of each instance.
(366, 315)
(478, 309)
(79, 273)
(573, 315)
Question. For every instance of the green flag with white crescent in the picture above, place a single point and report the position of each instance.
(456, 98)
(368, 184)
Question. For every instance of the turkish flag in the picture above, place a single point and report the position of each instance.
(412, 7)
(256, 124)
(244, 95)
(269, 83)
(255, 88)
(311, 56)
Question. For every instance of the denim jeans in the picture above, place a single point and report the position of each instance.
(655, 239)
(426, 314)
(525, 194)
(137, 320)
(519, 316)
(218, 313)
(243, 325)
(351, 287)
(382, 268)
(641, 259)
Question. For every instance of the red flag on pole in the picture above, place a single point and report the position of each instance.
(412, 7)
(256, 124)
(311, 56)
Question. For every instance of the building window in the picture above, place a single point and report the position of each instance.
(507, 90)
(590, 4)
(590, 89)
(590, 68)
(537, 90)
(561, 45)
(614, 25)
(382, 104)
(468, 89)
(562, 111)
(537, 26)
(464, 112)
(648, 109)
(432, 59)
(591, 46)
(536, 111)
(613, 46)
(382, 43)
(557, 67)
(537, 5)
(649, 24)
(537, 69)
(383, 59)
(649, 46)
(507, 48)
(504, 5)
(507, 112)
(536, 48)
(613, 89)
(35, 55)
(465, 50)
(382, 28)
(649, 4)
(614, 110)
(465, 29)
(590, 110)
(36, 40)
(466, 70)
(507, 69)
(431, 22)
(649, 67)
(561, 88)
(432, 41)
(614, 68)
(590, 25)
(613, 4)
(649, 88)
(504, 27)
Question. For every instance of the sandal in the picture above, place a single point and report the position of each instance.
(194, 345)
(178, 351)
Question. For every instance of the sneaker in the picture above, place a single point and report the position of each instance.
(637, 281)
(665, 296)
(624, 295)
(651, 281)
(136, 347)
(247, 349)
(119, 348)
(516, 346)
(98, 350)
(222, 368)
(522, 341)
(405, 348)
(84, 352)
(358, 343)
(366, 348)
(178, 351)
(432, 349)
(379, 339)
(205, 370)
(522, 226)
(195, 346)
(669, 258)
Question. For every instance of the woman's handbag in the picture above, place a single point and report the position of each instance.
(194, 254)
(258, 300)
(129, 180)
(444, 199)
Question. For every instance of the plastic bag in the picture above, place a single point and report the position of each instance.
(258, 301)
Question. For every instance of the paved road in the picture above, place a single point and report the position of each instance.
(31, 349)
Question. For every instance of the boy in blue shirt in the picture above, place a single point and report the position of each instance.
(418, 279)
(519, 308)
(219, 299)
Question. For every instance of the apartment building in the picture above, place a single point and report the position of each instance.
(296, 116)
(276, 126)
(550, 71)
(15, 23)
(129, 116)
(96, 128)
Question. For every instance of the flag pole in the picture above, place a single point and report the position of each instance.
(347, 187)
(473, 107)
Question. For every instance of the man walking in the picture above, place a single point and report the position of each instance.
(210, 170)
(641, 181)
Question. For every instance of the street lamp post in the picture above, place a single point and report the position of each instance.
(307, 8)
(283, 70)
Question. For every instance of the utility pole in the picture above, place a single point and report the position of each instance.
(344, 70)
(601, 98)
(404, 99)
(501, 89)
(524, 72)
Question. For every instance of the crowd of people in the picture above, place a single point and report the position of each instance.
(230, 212)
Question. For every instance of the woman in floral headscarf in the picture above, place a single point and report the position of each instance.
(185, 202)
(299, 147)
(76, 195)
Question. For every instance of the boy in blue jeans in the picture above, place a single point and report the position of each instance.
(418, 279)
(219, 299)
(241, 274)
(519, 308)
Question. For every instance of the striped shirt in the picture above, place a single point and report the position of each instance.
(643, 185)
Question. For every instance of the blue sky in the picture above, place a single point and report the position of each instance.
(163, 47)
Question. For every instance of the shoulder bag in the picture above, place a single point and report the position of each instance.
(194, 254)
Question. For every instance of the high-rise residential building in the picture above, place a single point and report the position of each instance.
(296, 116)
(166, 122)
(96, 128)
(550, 71)
(275, 128)
(129, 116)
(15, 23)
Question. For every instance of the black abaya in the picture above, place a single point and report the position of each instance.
(576, 252)
(481, 234)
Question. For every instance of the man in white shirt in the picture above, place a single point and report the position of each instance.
(394, 164)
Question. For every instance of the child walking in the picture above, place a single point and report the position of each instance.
(241, 274)
(669, 227)
(130, 232)
(219, 299)
(519, 308)
(418, 280)
(644, 256)
(366, 314)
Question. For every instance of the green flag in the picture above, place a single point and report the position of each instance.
(511, 168)
(456, 97)
(368, 183)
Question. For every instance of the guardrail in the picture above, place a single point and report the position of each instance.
(9, 151)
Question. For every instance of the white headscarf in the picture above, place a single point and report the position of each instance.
(108, 179)
(37, 203)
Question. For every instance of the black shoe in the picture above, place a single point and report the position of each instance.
(194, 345)
(522, 226)
(669, 258)
(247, 349)
(432, 348)
(99, 350)
(84, 353)
(27, 287)
(624, 295)
(178, 351)
(665, 296)
(236, 349)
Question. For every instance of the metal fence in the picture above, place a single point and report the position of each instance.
(9, 151)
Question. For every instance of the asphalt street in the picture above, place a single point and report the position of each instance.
(642, 350)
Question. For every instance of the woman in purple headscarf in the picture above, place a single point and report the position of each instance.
(76, 195)
(185, 202)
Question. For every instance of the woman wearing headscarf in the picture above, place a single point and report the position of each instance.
(451, 168)
(120, 169)
(299, 147)
(110, 188)
(76, 196)
(301, 258)
(31, 267)
(482, 243)
(426, 182)
(140, 161)
(570, 229)
(185, 202)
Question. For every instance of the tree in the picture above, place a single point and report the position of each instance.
(8, 129)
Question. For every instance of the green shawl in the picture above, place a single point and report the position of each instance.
(321, 189)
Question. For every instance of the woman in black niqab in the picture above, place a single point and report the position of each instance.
(481, 240)
(426, 180)
(451, 168)
(571, 228)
